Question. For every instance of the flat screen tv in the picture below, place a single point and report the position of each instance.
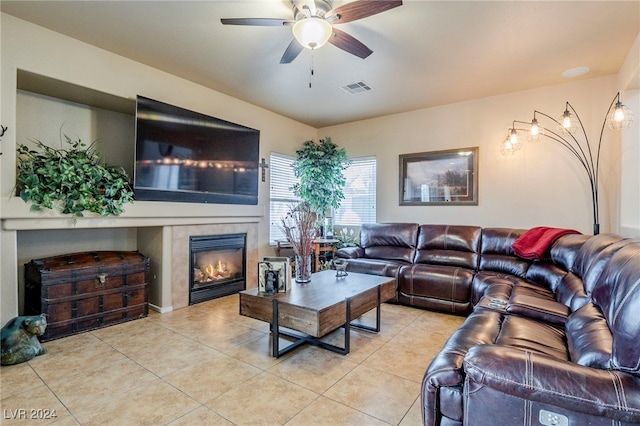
(186, 156)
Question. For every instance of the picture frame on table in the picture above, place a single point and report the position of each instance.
(439, 178)
(268, 278)
(283, 264)
(273, 275)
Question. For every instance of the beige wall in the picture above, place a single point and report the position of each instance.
(540, 185)
(630, 171)
(629, 81)
(37, 50)
(48, 119)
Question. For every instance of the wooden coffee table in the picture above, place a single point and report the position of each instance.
(317, 308)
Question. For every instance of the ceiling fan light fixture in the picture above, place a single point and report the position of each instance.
(312, 33)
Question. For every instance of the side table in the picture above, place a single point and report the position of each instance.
(319, 245)
(323, 245)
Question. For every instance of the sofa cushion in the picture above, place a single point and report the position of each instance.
(435, 304)
(384, 268)
(565, 249)
(449, 245)
(570, 292)
(497, 255)
(588, 337)
(441, 282)
(538, 308)
(618, 297)
(594, 255)
(350, 252)
(531, 289)
(389, 241)
(533, 336)
(492, 285)
(445, 288)
(546, 273)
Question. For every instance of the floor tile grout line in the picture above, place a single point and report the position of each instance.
(226, 315)
(158, 378)
(112, 397)
(409, 409)
(356, 409)
(204, 404)
(361, 363)
(53, 393)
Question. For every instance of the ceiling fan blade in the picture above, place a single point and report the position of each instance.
(359, 9)
(260, 22)
(292, 52)
(349, 44)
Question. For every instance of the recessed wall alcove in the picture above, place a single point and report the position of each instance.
(46, 108)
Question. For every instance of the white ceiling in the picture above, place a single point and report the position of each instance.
(426, 53)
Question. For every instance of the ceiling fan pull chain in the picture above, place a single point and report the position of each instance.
(311, 73)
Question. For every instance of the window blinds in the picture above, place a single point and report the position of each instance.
(358, 206)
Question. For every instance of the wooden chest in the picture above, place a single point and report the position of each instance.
(84, 291)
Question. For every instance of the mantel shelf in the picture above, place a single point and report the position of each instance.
(16, 215)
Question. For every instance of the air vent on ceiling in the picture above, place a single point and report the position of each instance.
(357, 87)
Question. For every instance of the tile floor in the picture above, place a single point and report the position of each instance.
(206, 364)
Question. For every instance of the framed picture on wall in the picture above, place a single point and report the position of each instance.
(439, 178)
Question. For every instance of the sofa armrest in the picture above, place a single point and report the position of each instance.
(440, 395)
(350, 252)
(532, 377)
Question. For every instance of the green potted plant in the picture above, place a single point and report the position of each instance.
(320, 166)
(72, 180)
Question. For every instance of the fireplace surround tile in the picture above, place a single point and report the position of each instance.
(180, 255)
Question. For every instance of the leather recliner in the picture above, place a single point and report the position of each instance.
(549, 340)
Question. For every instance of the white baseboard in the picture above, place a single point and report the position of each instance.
(161, 309)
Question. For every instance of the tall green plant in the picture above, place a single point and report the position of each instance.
(72, 180)
(320, 166)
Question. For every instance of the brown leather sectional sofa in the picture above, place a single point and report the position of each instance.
(551, 341)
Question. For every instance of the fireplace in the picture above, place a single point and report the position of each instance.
(218, 265)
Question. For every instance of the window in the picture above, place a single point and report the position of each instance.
(281, 179)
(358, 206)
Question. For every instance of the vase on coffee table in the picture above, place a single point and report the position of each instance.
(303, 268)
(299, 227)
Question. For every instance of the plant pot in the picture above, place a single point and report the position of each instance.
(328, 227)
(303, 269)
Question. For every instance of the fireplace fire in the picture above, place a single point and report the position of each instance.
(209, 273)
(217, 266)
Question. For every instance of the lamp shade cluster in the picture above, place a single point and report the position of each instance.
(564, 131)
(620, 117)
(511, 144)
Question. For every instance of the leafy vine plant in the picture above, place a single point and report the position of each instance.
(72, 180)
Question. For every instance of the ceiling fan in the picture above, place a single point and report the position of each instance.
(313, 24)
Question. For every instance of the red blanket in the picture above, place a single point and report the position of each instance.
(535, 242)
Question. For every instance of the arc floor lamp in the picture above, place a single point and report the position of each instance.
(618, 117)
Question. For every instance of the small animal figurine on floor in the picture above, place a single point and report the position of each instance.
(19, 339)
